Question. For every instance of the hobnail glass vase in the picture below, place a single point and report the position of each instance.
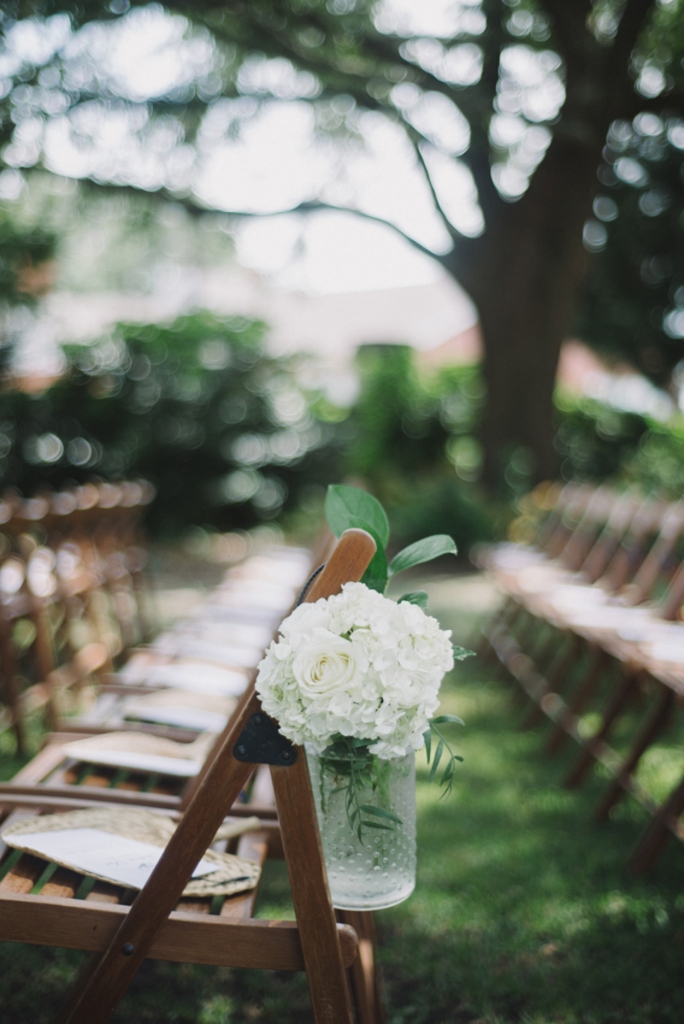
(378, 869)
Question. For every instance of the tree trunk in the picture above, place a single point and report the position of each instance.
(523, 275)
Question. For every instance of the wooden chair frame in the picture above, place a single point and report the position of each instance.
(631, 557)
(122, 938)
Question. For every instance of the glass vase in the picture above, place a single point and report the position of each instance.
(377, 868)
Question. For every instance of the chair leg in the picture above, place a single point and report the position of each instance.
(9, 689)
(328, 986)
(615, 705)
(658, 833)
(485, 648)
(652, 727)
(578, 702)
(560, 667)
(364, 974)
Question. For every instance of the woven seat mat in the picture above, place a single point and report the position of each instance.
(232, 875)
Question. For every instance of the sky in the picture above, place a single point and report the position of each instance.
(276, 157)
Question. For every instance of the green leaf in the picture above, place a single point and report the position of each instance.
(422, 551)
(427, 740)
(461, 652)
(376, 824)
(379, 812)
(418, 597)
(446, 718)
(347, 507)
(438, 757)
(375, 576)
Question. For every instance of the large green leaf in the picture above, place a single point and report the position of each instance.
(347, 507)
(375, 576)
(422, 551)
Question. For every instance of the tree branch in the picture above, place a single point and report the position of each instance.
(197, 209)
(478, 157)
(453, 231)
(632, 22)
(477, 160)
(317, 205)
(570, 20)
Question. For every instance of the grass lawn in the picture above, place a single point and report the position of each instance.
(523, 910)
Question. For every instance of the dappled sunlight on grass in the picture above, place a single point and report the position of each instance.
(523, 913)
(523, 909)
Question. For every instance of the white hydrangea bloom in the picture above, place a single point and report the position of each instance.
(357, 664)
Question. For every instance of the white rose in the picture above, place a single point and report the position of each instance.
(326, 664)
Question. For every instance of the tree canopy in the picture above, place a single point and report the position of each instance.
(501, 109)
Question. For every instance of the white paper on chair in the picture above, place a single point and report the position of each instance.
(197, 647)
(237, 615)
(284, 571)
(572, 596)
(540, 577)
(651, 630)
(668, 650)
(259, 596)
(609, 617)
(244, 635)
(180, 767)
(198, 676)
(184, 717)
(96, 852)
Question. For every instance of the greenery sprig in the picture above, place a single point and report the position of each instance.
(350, 759)
(447, 779)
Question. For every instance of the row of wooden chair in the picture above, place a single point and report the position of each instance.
(591, 628)
(73, 595)
(211, 654)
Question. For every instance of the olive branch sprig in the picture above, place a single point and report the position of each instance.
(447, 779)
(349, 758)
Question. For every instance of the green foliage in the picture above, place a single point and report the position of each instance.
(413, 441)
(447, 780)
(24, 255)
(633, 302)
(350, 507)
(434, 489)
(21, 248)
(597, 442)
(222, 430)
(422, 551)
(365, 62)
(396, 419)
(418, 597)
(349, 761)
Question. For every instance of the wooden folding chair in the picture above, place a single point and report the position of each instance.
(59, 772)
(123, 937)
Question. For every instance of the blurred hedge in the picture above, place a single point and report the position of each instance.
(416, 446)
(230, 437)
(223, 431)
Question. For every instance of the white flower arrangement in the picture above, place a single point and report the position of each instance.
(356, 676)
(356, 665)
